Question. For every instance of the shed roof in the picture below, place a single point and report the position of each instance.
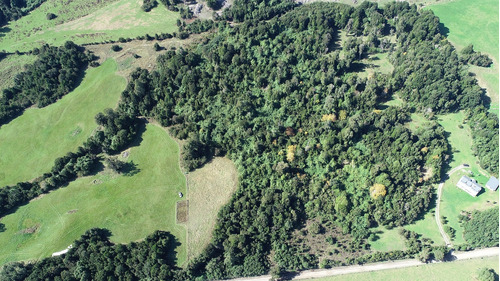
(492, 183)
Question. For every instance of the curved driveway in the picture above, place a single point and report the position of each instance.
(446, 239)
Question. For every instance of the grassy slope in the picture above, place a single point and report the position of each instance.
(122, 18)
(458, 271)
(131, 207)
(10, 67)
(210, 187)
(475, 22)
(30, 143)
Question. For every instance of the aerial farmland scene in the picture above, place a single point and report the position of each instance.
(249, 140)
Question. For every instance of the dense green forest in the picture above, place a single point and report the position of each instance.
(55, 73)
(279, 95)
(481, 228)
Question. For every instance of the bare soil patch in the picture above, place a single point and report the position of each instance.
(30, 230)
(182, 213)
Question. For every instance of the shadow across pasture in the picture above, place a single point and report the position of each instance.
(443, 29)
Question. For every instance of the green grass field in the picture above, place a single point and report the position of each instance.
(31, 142)
(130, 206)
(115, 19)
(389, 240)
(475, 22)
(464, 270)
(460, 140)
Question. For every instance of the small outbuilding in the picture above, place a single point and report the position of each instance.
(469, 185)
(492, 184)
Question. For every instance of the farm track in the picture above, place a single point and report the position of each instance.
(446, 239)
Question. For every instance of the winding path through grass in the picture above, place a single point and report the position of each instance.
(438, 202)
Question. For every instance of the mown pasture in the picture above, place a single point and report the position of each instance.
(31, 142)
(130, 205)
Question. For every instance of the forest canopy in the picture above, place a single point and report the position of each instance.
(280, 94)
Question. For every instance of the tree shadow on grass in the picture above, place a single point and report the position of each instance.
(141, 128)
(130, 169)
(443, 29)
(4, 30)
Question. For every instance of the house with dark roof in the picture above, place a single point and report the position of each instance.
(469, 185)
(492, 184)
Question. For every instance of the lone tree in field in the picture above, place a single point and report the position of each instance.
(51, 16)
(116, 48)
(485, 274)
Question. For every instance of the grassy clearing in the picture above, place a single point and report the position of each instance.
(10, 67)
(464, 270)
(427, 227)
(121, 18)
(475, 22)
(30, 143)
(143, 49)
(389, 240)
(130, 206)
(460, 140)
(210, 188)
(375, 63)
(417, 121)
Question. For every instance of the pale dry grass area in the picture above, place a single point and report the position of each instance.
(143, 50)
(209, 188)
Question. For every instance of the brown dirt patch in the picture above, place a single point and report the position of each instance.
(30, 230)
(182, 211)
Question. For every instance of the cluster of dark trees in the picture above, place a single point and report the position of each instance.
(472, 57)
(279, 97)
(94, 257)
(55, 73)
(242, 10)
(427, 70)
(148, 5)
(481, 229)
(484, 127)
(14, 9)
(171, 4)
